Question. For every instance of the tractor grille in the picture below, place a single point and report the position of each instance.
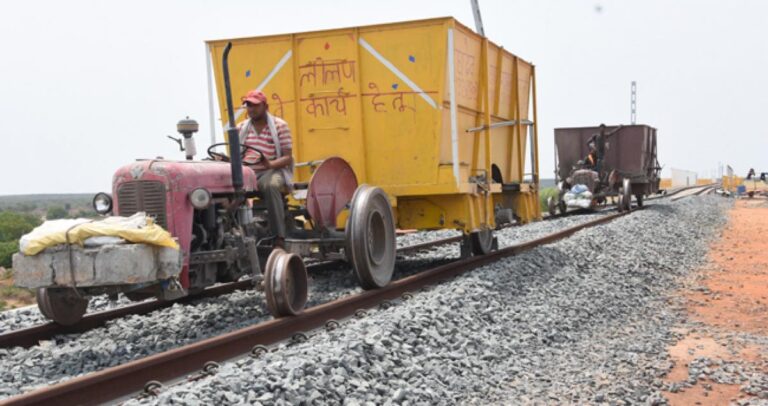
(143, 195)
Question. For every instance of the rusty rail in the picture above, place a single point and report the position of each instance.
(29, 336)
(116, 382)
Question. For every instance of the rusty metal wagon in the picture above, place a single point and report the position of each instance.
(629, 167)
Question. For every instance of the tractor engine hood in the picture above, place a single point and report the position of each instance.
(184, 176)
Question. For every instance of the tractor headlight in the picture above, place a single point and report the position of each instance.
(102, 203)
(200, 198)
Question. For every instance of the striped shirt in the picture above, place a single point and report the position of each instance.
(264, 142)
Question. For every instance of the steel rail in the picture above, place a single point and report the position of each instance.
(29, 336)
(701, 190)
(705, 190)
(129, 378)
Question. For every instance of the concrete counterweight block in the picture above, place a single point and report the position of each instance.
(111, 264)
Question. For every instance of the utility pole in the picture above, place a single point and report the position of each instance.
(478, 20)
(633, 104)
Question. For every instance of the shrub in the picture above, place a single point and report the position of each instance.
(56, 212)
(544, 194)
(7, 249)
(14, 225)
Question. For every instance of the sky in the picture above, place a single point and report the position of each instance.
(87, 86)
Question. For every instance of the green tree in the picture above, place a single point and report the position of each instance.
(7, 249)
(14, 225)
(82, 213)
(56, 212)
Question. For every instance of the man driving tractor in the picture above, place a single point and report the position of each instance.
(271, 136)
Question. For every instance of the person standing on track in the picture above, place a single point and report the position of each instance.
(271, 136)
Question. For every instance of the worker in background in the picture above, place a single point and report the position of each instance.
(271, 136)
(751, 173)
(599, 140)
(590, 161)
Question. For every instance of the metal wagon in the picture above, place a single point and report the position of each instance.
(628, 166)
(437, 116)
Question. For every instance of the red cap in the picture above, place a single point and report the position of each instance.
(255, 97)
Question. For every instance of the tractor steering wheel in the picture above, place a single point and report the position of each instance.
(218, 156)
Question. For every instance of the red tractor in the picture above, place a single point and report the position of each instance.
(213, 209)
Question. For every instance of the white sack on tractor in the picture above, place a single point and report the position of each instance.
(578, 196)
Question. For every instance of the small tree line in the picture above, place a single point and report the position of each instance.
(12, 226)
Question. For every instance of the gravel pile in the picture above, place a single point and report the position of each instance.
(137, 336)
(752, 379)
(750, 374)
(424, 236)
(585, 320)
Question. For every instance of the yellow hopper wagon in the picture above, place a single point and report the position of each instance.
(413, 125)
(439, 117)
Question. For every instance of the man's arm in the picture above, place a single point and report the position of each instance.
(276, 163)
(614, 131)
(283, 161)
(286, 144)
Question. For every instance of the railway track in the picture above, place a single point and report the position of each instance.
(132, 377)
(695, 191)
(30, 336)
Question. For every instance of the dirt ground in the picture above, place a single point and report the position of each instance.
(11, 296)
(728, 313)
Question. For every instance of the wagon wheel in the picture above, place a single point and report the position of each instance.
(639, 199)
(63, 306)
(627, 195)
(370, 235)
(561, 205)
(551, 206)
(285, 283)
(620, 200)
(481, 241)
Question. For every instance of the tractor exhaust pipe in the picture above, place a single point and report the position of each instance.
(233, 136)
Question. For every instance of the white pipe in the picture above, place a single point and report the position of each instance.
(454, 119)
(209, 72)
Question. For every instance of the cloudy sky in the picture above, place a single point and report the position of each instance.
(86, 86)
